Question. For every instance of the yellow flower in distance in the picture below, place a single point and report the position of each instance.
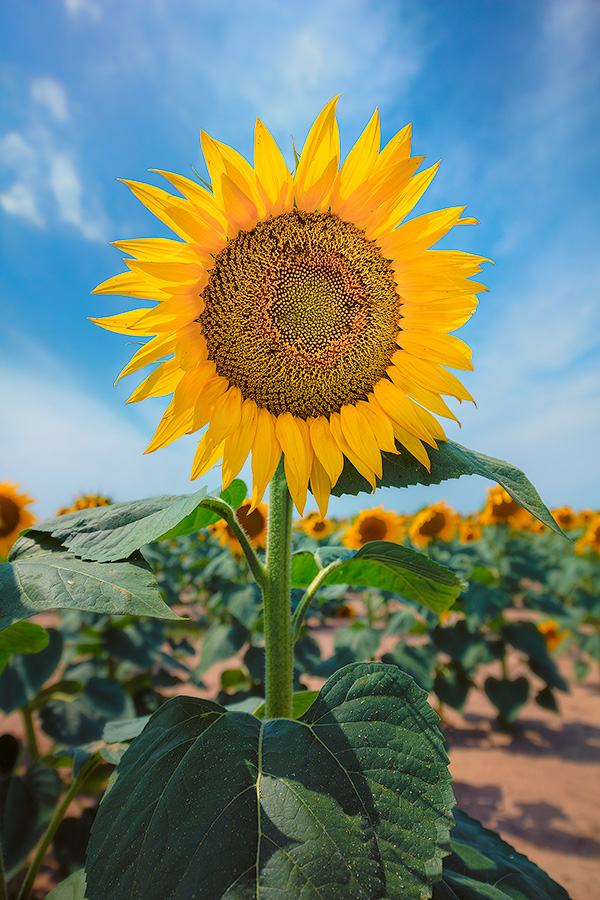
(374, 525)
(252, 520)
(84, 501)
(469, 530)
(590, 540)
(296, 313)
(316, 527)
(500, 507)
(14, 515)
(437, 521)
(552, 633)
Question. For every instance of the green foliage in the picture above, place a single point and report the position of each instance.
(384, 565)
(311, 804)
(27, 803)
(41, 575)
(450, 460)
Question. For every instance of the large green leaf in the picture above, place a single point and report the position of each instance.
(27, 803)
(483, 867)
(111, 533)
(350, 802)
(73, 888)
(22, 637)
(25, 674)
(450, 460)
(42, 575)
(384, 565)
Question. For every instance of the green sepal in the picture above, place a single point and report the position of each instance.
(384, 565)
(450, 460)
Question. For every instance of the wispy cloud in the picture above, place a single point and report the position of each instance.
(83, 8)
(40, 180)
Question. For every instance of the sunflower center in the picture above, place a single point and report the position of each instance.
(373, 529)
(433, 525)
(253, 523)
(9, 515)
(301, 314)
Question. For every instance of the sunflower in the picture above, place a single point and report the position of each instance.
(565, 517)
(374, 525)
(437, 521)
(316, 527)
(500, 508)
(84, 501)
(469, 530)
(590, 540)
(14, 516)
(552, 633)
(299, 313)
(252, 520)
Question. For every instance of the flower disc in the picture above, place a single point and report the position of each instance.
(301, 314)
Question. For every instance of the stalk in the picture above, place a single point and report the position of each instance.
(279, 660)
(57, 818)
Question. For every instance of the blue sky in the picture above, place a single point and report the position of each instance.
(505, 92)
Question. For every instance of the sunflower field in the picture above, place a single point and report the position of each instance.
(184, 729)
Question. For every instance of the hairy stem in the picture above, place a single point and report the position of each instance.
(228, 513)
(279, 661)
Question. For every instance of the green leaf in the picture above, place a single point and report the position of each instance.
(508, 696)
(42, 575)
(351, 802)
(450, 460)
(483, 867)
(72, 888)
(388, 566)
(23, 637)
(27, 804)
(124, 729)
(301, 701)
(115, 532)
(220, 642)
(25, 674)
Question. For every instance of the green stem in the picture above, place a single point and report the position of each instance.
(228, 513)
(57, 818)
(3, 894)
(307, 598)
(32, 744)
(279, 661)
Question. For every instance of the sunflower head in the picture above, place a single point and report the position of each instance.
(553, 634)
(565, 517)
(590, 540)
(252, 520)
(435, 522)
(316, 527)
(374, 525)
(469, 530)
(300, 314)
(84, 501)
(499, 508)
(14, 515)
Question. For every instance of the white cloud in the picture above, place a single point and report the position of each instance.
(83, 7)
(50, 94)
(40, 168)
(20, 201)
(66, 187)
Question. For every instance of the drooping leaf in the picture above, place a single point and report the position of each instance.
(351, 802)
(42, 575)
(23, 637)
(115, 532)
(483, 867)
(508, 695)
(450, 460)
(81, 719)
(388, 566)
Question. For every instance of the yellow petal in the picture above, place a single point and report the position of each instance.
(266, 453)
(271, 171)
(360, 436)
(226, 415)
(292, 433)
(153, 350)
(190, 347)
(131, 284)
(211, 393)
(404, 203)
(162, 381)
(430, 375)
(240, 210)
(325, 448)
(412, 444)
(207, 454)
(396, 149)
(347, 450)
(150, 248)
(428, 399)
(359, 162)
(320, 149)
(171, 426)
(441, 348)
(380, 423)
(320, 486)
(412, 238)
(239, 443)
(400, 409)
(202, 199)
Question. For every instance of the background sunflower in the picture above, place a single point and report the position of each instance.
(14, 515)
